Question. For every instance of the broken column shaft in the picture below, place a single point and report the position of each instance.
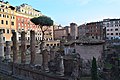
(32, 47)
(52, 54)
(15, 56)
(45, 60)
(8, 51)
(61, 66)
(1, 45)
(23, 48)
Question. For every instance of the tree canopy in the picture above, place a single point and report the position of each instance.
(42, 21)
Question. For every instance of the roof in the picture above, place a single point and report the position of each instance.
(107, 20)
(94, 23)
(85, 41)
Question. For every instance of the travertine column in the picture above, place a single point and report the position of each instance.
(8, 51)
(1, 45)
(45, 60)
(32, 47)
(61, 66)
(52, 54)
(23, 48)
(14, 39)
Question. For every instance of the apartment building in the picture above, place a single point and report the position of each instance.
(112, 28)
(24, 13)
(7, 20)
(82, 30)
(60, 34)
(92, 30)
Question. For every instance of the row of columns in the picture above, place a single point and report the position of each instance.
(6, 55)
(24, 47)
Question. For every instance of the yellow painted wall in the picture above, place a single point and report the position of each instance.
(7, 15)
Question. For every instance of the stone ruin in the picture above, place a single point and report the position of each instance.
(55, 65)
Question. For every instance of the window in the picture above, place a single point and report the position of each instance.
(7, 16)
(54, 44)
(107, 29)
(111, 37)
(2, 22)
(107, 33)
(111, 29)
(3, 30)
(58, 44)
(22, 29)
(111, 33)
(116, 29)
(12, 23)
(47, 44)
(116, 33)
(6, 22)
(4, 38)
(19, 38)
(8, 31)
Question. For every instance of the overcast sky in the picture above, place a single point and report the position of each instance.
(79, 11)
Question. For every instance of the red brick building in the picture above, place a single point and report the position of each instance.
(93, 30)
(60, 33)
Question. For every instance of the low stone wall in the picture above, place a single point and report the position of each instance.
(25, 72)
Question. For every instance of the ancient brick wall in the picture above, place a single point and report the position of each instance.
(88, 51)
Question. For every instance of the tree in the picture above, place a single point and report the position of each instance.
(94, 70)
(42, 21)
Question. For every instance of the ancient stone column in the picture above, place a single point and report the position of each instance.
(14, 39)
(8, 51)
(45, 60)
(61, 66)
(23, 48)
(1, 45)
(32, 47)
(52, 54)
